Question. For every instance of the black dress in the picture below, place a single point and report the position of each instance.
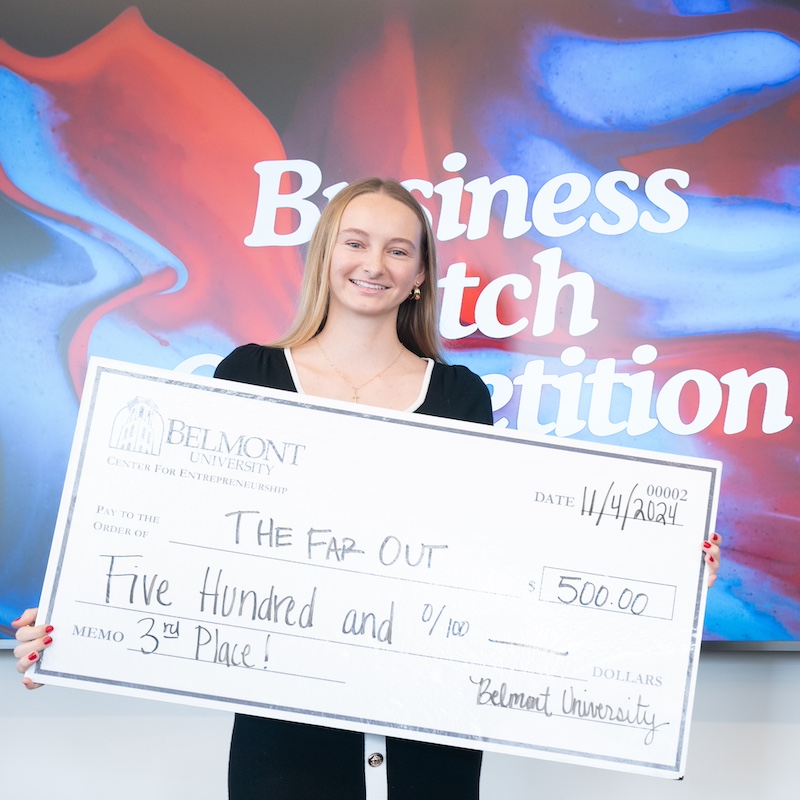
(277, 760)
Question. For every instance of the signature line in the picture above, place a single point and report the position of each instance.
(532, 647)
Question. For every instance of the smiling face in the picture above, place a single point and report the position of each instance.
(375, 261)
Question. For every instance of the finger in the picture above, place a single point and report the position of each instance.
(28, 683)
(711, 557)
(712, 554)
(716, 539)
(32, 632)
(27, 653)
(26, 618)
(25, 662)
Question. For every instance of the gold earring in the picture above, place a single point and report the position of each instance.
(415, 293)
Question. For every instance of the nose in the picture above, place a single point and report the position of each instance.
(373, 262)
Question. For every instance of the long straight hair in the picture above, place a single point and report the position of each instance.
(417, 320)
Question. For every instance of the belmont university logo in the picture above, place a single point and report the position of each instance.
(138, 428)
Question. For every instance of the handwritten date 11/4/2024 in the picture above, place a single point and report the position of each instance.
(659, 504)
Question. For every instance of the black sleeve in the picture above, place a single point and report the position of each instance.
(257, 365)
(456, 392)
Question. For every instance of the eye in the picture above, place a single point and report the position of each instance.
(396, 252)
(354, 245)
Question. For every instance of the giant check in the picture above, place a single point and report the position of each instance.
(229, 546)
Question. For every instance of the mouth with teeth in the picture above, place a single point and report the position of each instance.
(367, 285)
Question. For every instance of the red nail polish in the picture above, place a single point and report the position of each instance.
(715, 537)
(47, 639)
(49, 629)
(32, 657)
(711, 559)
(707, 545)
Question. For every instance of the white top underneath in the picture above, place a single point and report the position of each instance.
(423, 390)
(375, 777)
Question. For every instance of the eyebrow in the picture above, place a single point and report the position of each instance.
(364, 234)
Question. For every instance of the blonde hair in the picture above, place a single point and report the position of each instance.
(417, 320)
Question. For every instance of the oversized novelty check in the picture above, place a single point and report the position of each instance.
(228, 546)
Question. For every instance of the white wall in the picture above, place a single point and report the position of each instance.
(62, 743)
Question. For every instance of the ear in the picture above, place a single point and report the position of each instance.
(420, 277)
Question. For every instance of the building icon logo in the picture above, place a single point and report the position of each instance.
(138, 428)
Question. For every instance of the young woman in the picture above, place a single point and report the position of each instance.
(366, 332)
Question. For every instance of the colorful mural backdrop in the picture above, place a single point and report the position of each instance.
(614, 186)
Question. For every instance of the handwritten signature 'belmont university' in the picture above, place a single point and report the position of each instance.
(595, 710)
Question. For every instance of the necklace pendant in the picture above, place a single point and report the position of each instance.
(346, 379)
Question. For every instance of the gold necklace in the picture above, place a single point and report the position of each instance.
(345, 378)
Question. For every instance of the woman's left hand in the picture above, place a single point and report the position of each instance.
(712, 555)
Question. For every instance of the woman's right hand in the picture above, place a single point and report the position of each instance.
(32, 640)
